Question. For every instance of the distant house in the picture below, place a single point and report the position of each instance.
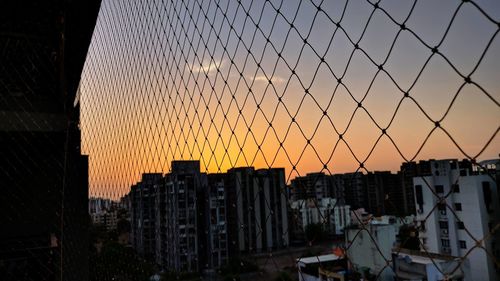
(325, 267)
(415, 265)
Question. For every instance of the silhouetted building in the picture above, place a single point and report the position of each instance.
(354, 189)
(44, 202)
(384, 194)
(182, 216)
(258, 200)
(312, 185)
(143, 215)
(215, 227)
(407, 172)
(160, 208)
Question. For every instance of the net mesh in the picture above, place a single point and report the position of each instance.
(337, 88)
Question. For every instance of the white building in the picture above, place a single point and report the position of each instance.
(412, 265)
(457, 206)
(335, 217)
(322, 268)
(370, 246)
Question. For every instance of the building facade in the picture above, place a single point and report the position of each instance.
(458, 205)
(332, 215)
(143, 215)
(260, 222)
(182, 243)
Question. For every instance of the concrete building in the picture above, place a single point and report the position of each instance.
(182, 224)
(384, 194)
(214, 215)
(327, 211)
(371, 247)
(99, 205)
(108, 218)
(407, 172)
(456, 204)
(260, 219)
(354, 189)
(179, 220)
(143, 215)
(160, 209)
(315, 185)
(324, 267)
(414, 265)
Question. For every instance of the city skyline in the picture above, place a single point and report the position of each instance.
(231, 94)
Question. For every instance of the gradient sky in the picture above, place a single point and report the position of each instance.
(166, 81)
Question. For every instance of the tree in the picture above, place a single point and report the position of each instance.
(315, 232)
(408, 238)
(117, 262)
(283, 276)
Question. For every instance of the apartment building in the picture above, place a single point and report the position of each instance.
(260, 220)
(328, 211)
(457, 207)
(143, 215)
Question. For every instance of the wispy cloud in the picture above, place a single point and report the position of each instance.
(261, 78)
(208, 67)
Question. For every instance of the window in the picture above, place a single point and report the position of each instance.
(445, 242)
(460, 225)
(458, 207)
(463, 245)
(420, 197)
(439, 188)
(487, 196)
(456, 188)
(443, 225)
(441, 207)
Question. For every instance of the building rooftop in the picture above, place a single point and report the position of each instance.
(424, 257)
(319, 259)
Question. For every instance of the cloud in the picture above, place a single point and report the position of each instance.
(208, 67)
(261, 78)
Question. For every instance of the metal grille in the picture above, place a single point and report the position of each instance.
(311, 86)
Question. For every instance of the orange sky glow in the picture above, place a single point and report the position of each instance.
(153, 92)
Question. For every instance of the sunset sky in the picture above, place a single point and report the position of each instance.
(169, 80)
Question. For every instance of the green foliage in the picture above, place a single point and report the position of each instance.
(408, 237)
(117, 262)
(283, 276)
(114, 261)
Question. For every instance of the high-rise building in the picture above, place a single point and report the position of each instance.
(189, 221)
(182, 225)
(333, 216)
(312, 185)
(457, 206)
(384, 194)
(354, 189)
(260, 222)
(160, 208)
(407, 172)
(215, 227)
(143, 215)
